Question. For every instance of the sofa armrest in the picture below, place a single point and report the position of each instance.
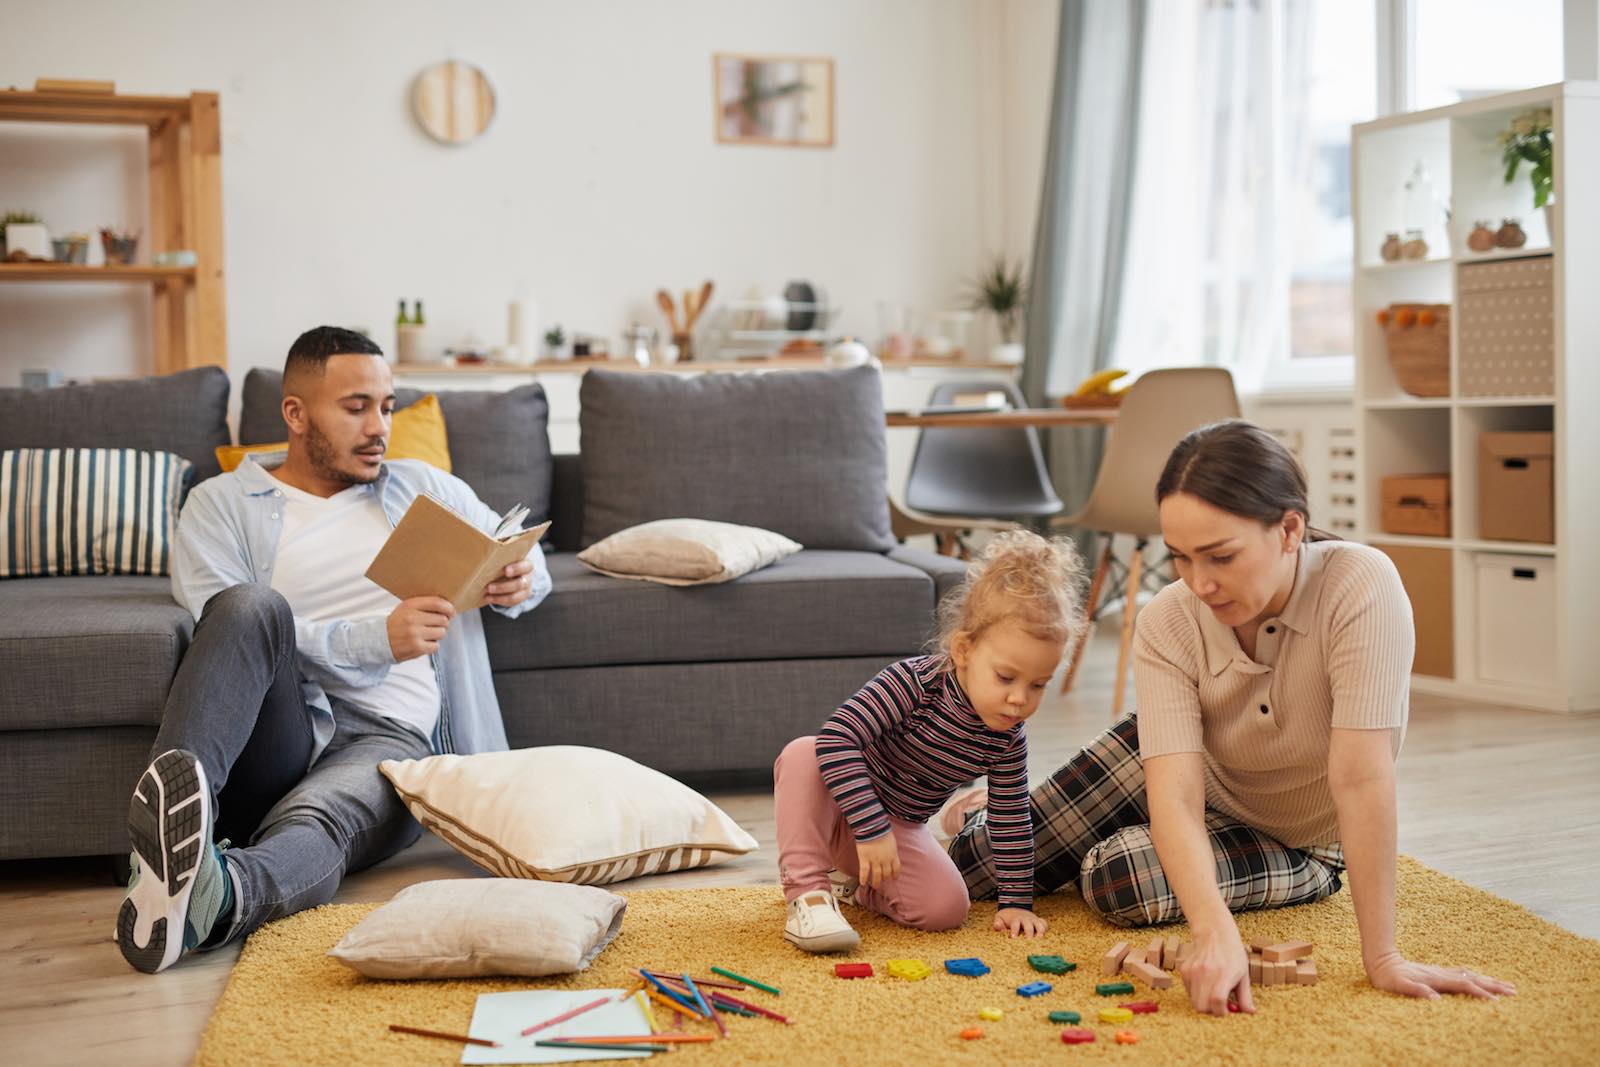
(946, 571)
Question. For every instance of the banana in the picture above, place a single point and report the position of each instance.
(1099, 382)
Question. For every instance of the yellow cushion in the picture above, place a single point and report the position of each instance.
(417, 433)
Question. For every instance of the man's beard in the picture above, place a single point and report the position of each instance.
(323, 457)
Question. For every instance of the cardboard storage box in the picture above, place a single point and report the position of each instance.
(1506, 334)
(1427, 575)
(1516, 487)
(1417, 504)
(1516, 620)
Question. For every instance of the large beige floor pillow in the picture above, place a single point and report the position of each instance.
(564, 813)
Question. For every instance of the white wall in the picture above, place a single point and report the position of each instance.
(599, 181)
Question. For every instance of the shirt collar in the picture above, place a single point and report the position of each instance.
(255, 473)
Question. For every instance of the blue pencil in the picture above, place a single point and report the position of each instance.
(670, 993)
(711, 1012)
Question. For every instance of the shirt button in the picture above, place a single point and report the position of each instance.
(1263, 709)
(277, 492)
(275, 515)
(1272, 629)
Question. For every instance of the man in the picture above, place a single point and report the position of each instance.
(302, 675)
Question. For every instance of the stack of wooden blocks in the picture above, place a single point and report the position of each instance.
(1282, 963)
(1271, 962)
(1149, 964)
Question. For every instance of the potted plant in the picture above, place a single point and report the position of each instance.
(1529, 141)
(24, 218)
(1000, 290)
(555, 341)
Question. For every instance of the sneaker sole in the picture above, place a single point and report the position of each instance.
(843, 941)
(167, 818)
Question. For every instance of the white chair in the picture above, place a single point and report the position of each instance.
(1157, 411)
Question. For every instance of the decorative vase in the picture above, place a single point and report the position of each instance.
(1009, 353)
(1391, 248)
(1481, 239)
(1415, 247)
(1510, 234)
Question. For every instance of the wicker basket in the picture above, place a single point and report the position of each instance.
(1418, 339)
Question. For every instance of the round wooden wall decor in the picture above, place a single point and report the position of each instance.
(453, 102)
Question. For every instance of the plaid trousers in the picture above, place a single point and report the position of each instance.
(1091, 824)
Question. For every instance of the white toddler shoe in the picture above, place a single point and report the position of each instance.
(816, 925)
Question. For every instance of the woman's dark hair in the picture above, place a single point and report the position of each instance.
(1242, 469)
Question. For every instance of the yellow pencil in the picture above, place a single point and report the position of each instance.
(649, 1016)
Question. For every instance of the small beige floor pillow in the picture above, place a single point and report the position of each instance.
(686, 551)
(565, 813)
(469, 927)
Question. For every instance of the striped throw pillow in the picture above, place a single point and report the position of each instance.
(88, 510)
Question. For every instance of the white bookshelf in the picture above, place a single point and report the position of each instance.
(1402, 434)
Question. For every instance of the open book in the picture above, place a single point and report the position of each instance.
(435, 551)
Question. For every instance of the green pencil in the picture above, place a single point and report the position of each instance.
(642, 1047)
(747, 981)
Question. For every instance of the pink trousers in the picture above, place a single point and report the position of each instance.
(928, 894)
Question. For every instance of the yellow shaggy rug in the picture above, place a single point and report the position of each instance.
(287, 1002)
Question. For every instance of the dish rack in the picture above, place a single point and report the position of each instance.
(762, 329)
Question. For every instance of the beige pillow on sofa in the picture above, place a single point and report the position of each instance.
(686, 551)
(465, 927)
(564, 813)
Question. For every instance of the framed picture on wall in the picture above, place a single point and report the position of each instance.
(774, 100)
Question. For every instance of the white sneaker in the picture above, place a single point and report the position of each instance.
(815, 925)
(843, 885)
(953, 816)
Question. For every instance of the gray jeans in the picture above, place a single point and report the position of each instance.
(236, 704)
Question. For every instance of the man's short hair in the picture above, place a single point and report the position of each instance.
(311, 349)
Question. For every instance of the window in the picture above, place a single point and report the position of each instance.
(1467, 48)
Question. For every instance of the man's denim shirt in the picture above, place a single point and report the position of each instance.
(228, 535)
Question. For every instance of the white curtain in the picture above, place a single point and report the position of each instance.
(1224, 150)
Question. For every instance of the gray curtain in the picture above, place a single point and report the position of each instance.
(1080, 245)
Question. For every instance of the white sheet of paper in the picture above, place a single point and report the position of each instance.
(503, 1016)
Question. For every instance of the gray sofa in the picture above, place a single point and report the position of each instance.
(705, 683)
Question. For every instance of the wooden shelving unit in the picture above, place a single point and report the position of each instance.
(185, 161)
(1403, 434)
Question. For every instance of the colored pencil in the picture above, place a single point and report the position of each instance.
(649, 1016)
(564, 1016)
(605, 1047)
(747, 981)
(715, 983)
(753, 1007)
(672, 993)
(397, 1028)
(635, 1039)
(673, 1004)
(709, 1010)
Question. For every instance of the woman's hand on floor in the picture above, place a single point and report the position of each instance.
(1396, 974)
(1215, 971)
(1020, 922)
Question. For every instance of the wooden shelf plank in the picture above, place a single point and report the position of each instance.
(76, 272)
(21, 105)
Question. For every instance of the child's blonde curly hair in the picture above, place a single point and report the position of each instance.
(1019, 575)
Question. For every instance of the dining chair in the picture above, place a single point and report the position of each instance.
(1156, 412)
(980, 476)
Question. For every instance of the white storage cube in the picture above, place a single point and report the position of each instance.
(1516, 620)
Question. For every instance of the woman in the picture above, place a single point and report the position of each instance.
(1273, 683)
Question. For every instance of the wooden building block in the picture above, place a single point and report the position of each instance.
(1261, 943)
(1154, 977)
(1305, 972)
(1287, 950)
(1269, 973)
(1112, 961)
(1171, 953)
(1286, 972)
(1183, 950)
(1135, 955)
(1152, 955)
(1255, 969)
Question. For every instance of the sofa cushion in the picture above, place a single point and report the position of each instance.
(95, 651)
(499, 441)
(814, 604)
(186, 413)
(800, 453)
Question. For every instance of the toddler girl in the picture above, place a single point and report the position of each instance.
(856, 797)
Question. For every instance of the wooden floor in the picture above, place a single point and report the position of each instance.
(1504, 799)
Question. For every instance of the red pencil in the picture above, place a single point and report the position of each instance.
(397, 1028)
(564, 1016)
(758, 1009)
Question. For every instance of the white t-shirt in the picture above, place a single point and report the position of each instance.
(323, 554)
